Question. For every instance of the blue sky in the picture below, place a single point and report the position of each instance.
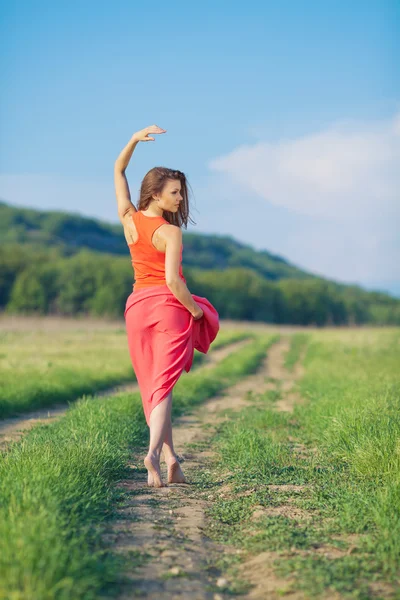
(285, 117)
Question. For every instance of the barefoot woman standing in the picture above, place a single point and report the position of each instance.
(164, 321)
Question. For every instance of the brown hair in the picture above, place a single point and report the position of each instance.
(154, 182)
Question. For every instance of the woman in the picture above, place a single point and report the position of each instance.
(164, 321)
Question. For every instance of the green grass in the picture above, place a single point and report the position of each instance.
(58, 487)
(226, 337)
(352, 481)
(353, 415)
(42, 367)
(55, 484)
(297, 342)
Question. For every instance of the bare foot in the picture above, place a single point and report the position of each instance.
(154, 474)
(175, 474)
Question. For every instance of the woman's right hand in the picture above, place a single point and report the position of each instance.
(142, 135)
(197, 315)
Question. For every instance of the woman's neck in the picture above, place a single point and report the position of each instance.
(153, 211)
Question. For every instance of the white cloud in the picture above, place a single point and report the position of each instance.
(346, 171)
(327, 201)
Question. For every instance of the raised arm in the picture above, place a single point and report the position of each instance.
(124, 204)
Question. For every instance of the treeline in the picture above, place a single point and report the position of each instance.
(41, 280)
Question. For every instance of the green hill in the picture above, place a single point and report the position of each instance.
(72, 232)
(60, 263)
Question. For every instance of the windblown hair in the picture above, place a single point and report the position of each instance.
(154, 182)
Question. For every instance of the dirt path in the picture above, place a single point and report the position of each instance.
(167, 523)
(11, 429)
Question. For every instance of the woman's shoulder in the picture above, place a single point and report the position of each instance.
(170, 232)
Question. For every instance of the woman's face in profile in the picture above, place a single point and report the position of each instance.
(171, 195)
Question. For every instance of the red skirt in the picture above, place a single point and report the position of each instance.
(162, 337)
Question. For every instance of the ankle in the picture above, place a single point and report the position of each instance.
(170, 458)
(153, 455)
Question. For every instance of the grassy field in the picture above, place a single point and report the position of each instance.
(44, 365)
(313, 491)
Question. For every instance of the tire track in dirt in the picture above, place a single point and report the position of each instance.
(167, 523)
(13, 428)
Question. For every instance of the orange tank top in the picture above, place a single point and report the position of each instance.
(148, 263)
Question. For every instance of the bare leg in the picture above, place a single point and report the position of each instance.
(158, 428)
(175, 474)
(168, 446)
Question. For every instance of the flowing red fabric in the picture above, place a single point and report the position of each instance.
(162, 337)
